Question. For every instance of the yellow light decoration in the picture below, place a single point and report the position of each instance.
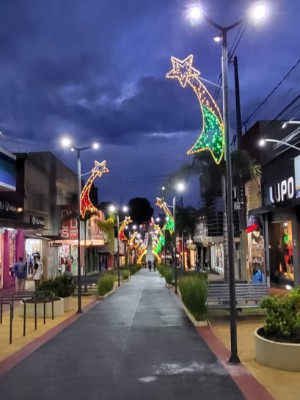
(140, 258)
(158, 259)
(126, 222)
(212, 135)
(132, 240)
(85, 201)
(169, 225)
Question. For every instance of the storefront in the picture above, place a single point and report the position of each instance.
(281, 221)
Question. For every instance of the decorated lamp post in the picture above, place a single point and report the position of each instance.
(215, 134)
(67, 143)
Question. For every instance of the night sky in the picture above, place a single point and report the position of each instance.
(96, 69)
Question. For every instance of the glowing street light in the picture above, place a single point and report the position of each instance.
(258, 13)
(67, 143)
(290, 122)
(262, 143)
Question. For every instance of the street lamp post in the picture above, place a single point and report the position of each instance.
(258, 13)
(262, 142)
(66, 142)
(114, 210)
(174, 243)
(179, 188)
(118, 247)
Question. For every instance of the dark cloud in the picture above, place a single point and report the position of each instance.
(96, 69)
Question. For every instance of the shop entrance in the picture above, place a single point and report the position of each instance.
(281, 253)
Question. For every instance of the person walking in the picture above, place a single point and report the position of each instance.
(20, 271)
(37, 271)
(149, 265)
(154, 264)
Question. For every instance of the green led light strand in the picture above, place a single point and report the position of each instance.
(211, 137)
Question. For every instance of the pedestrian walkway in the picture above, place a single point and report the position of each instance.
(137, 343)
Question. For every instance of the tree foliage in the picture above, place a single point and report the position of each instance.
(140, 210)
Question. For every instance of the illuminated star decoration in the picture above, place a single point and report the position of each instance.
(85, 201)
(126, 221)
(169, 224)
(212, 135)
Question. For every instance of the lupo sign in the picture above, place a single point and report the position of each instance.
(284, 190)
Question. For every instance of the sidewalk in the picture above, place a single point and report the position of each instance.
(138, 342)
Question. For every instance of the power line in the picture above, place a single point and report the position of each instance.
(272, 92)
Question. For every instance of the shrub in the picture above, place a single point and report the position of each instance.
(105, 284)
(282, 318)
(125, 274)
(194, 294)
(160, 269)
(168, 274)
(133, 268)
(61, 286)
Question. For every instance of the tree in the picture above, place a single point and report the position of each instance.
(140, 210)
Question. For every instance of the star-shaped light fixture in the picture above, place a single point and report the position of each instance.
(183, 70)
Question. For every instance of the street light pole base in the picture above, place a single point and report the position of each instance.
(79, 311)
(234, 360)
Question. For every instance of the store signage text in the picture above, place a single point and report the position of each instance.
(284, 190)
(6, 206)
(69, 229)
(37, 220)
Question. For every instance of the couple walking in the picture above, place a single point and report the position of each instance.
(150, 265)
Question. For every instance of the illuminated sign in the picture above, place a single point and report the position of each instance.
(284, 190)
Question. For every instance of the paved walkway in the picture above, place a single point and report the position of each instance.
(138, 343)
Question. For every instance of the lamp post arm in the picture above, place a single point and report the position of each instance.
(223, 28)
(283, 143)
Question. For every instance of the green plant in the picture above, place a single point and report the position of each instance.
(193, 291)
(125, 274)
(61, 286)
(160, 268)
(168, 274)
(105, 284)
(282, 317)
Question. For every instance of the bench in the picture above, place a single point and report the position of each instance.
(248, 295)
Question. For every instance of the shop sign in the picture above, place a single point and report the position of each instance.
(8, 207)
(284, 190)
(37, 220)
(68, 223)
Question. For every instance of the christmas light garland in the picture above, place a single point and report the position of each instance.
(85, 201)
(211, 137)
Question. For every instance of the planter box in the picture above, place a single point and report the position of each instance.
(68, 303)
(284, 356)
(58, 309)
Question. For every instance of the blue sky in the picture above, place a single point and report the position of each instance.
(96, 70)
